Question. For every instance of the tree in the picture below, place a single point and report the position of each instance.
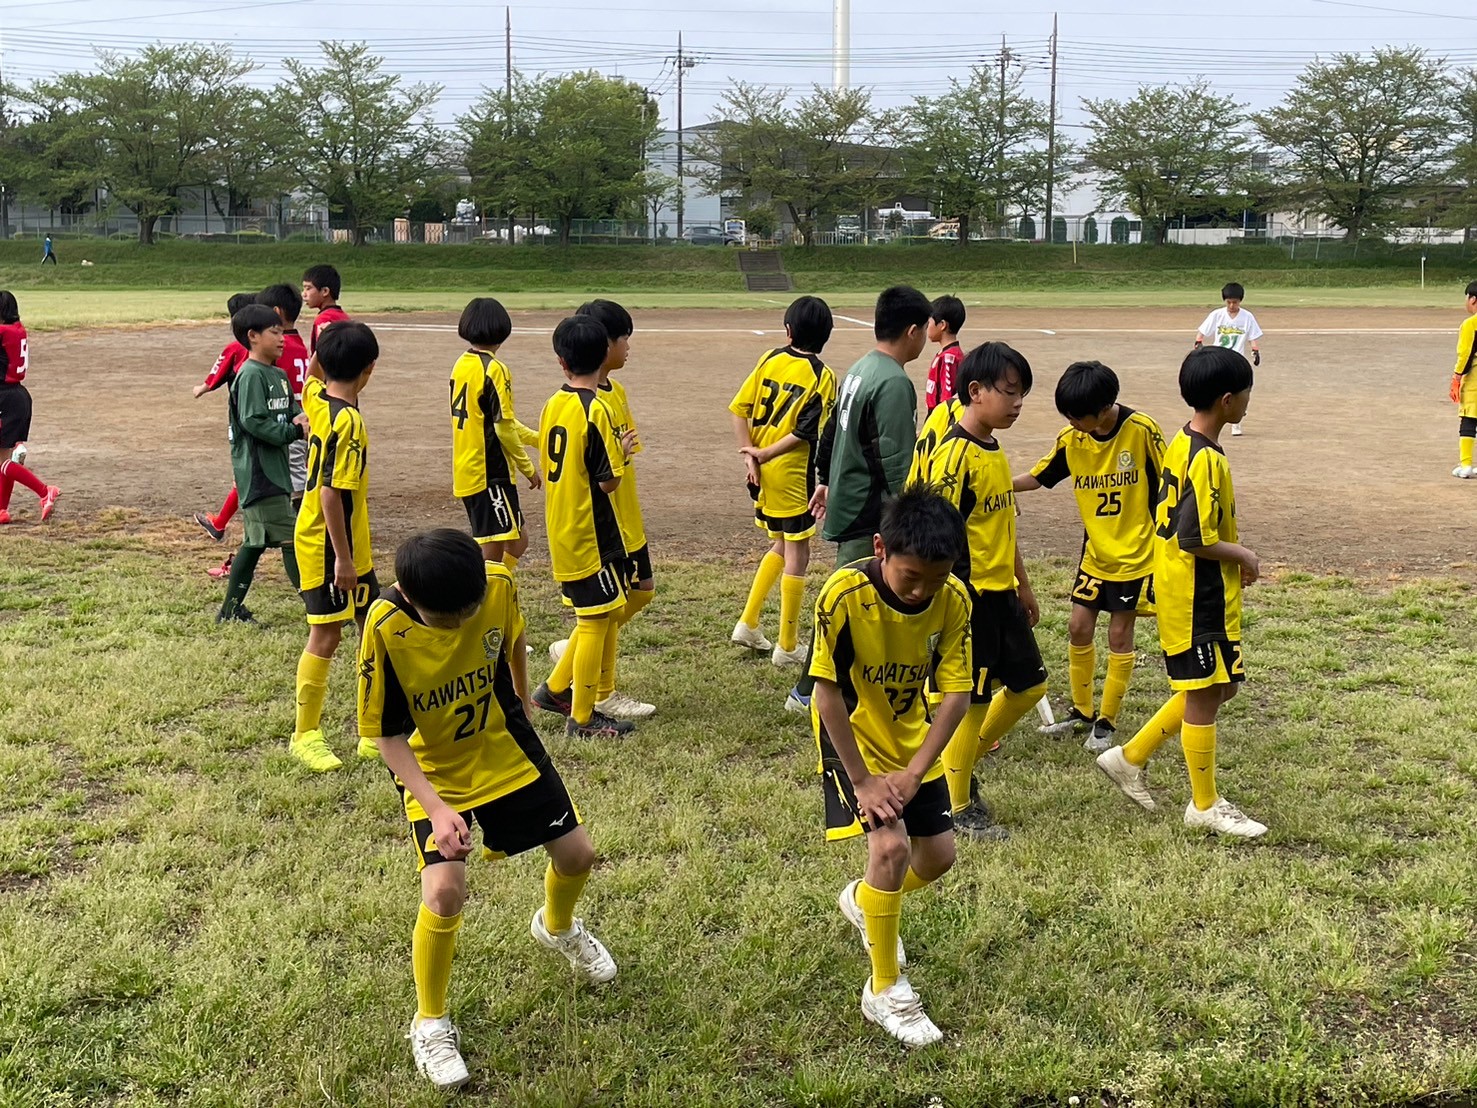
(978, 150)
(144, 127)
(1459, 208)
(495, 137)
(257, 150)
(1165, 150)
(368, 146)
(827, 155)
(1362, 136)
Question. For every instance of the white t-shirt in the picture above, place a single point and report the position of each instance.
(1220, 329)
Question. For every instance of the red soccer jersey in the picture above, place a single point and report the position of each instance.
(941, 375)
(232, 358)
(294, 361)
(14, 354)
(334, 314)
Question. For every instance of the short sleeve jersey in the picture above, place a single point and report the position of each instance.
(324, 318)
(315, 407)
(579, 450)
(15, 353)
(879, 652)
(1198, 599)
(1220, 329)
(1466, 346)
(451, 691)
(627, 503)
(788, 393)
(974, 476)
(294, 361)
(338, 460)
(935, 427)
(1115, 480)
(481, 394)
(942, 374)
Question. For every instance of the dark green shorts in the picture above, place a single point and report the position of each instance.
(269, 522)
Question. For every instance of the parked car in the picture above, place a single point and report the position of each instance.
(707, 234)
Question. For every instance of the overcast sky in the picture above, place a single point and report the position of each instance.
(1252, 50)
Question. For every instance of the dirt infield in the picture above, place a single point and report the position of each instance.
(1345, 464)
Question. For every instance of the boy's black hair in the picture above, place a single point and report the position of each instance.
(1085, 389)
(10, 311)
(485, 322)
(949, 310)
(239, 301)
(582, 342)
(899, 308)
(1233, 291)
(810, 323)
(440, 571)
(324, 277)
(253, 317)
(283, 296)
(921, 523)
(1210, 372)
(346, 350)
(615, 319)
(987, 364)
(1472, 289)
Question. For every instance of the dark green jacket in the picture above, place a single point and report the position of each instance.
(867, 446)
(262, 410)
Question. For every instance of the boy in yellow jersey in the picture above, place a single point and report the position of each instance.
(1199, 571)
(938, 424)
(1464, 386)
(486, 437)
(609, 700)
(970, 470)
(882, 626)
(332, 533)
(1112, 454)
(584, 462)
(443, 693)
(778, 415)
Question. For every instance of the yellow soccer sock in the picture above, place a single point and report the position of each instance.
(1006, 709)
(312, 689)
(587, 645)
(431, 946)
(961, 753)
(770, 568)
(1162, 725)
(1198, 739)
(636, 599)
(1115, 684)
(560, 894)
(880, 911)
(1464, 445)
(510, 561)
(792, 596)
(606, 685)
(1081, 668)
(912, 882)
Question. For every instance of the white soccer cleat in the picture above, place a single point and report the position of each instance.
(750, 638)
(1235, 428)
(436, 1045)
(557, 649)
(899, 1012)
(585, 953)
(785, 658)
(18, 455)
(1466, 473)
(852, 911)
(1127, 776)
(620, 706)
(1223, 818)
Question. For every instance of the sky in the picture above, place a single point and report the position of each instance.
(1253, 51)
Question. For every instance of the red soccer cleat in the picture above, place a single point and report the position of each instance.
(48, 502)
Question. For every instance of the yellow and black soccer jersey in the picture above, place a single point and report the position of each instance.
(1115, 478)
(339, 460)
(451, 691)
(627, 504)
(1466, 362)
(580, 449)
(935, 427)
(974, 476)
(315, 407)
(880, 651)
(1199, 599)
(788, 393)
(481, 397)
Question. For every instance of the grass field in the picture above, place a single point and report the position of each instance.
(190, 920)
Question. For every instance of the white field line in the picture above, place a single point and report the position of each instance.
(438, 328)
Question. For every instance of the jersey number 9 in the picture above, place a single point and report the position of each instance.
(557, 445)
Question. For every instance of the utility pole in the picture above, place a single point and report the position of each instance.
(684, 63)
(508, 95)
(841, 45)
(1000, 148)
(1051, 137)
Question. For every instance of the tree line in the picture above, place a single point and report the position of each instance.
(1367, 142)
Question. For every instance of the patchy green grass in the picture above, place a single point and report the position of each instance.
(188, 919)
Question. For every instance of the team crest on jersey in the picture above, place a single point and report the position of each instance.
(1125, 460)
(492, 643)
